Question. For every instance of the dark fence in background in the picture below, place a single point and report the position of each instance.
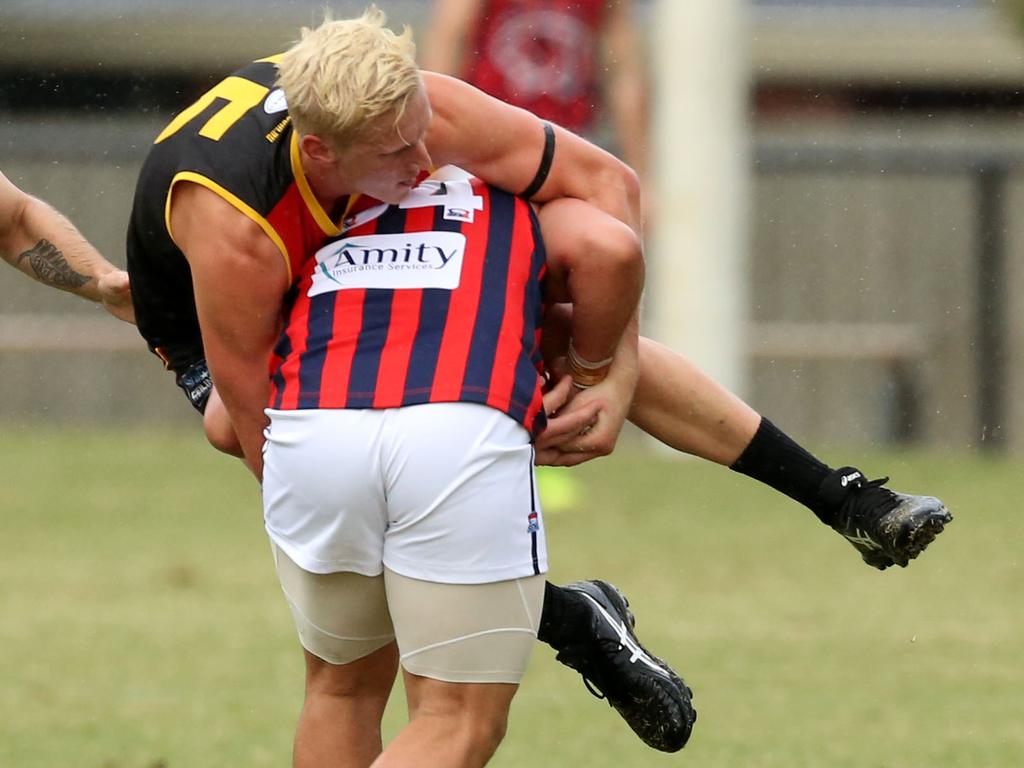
(882, 282)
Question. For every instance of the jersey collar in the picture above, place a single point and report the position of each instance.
(316, 210)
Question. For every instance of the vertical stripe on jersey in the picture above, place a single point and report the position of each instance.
(337, 370)
(324, 360)
(403, 328)
(282, 351)
(291, 347)
(319, 323)
(530, 363)
(487, 343)
(297, 228)
(454, 356)
(376, 312)
(426, 350)
(514, 325)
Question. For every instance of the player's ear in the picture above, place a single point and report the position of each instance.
(317, 149)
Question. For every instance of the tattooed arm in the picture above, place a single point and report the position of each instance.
(44, 245)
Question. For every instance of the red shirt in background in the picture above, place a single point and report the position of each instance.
(541, 55)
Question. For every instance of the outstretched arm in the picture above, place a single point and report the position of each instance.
(43, 244)
(503, 145)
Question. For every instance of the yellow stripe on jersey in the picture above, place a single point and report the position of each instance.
(213, 186)
(312, 203)
(275, 59)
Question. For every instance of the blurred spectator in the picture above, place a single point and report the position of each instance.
(573, 62)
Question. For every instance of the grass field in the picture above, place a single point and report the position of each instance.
(141, 625)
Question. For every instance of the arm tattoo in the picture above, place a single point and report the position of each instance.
(51, 267)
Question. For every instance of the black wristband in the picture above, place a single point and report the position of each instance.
(545, 163)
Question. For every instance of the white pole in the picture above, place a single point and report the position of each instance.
(696, 288)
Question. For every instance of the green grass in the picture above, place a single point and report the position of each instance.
(141, 624)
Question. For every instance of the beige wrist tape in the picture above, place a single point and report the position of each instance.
(586, 373)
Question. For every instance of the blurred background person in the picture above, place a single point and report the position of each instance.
(577, 63)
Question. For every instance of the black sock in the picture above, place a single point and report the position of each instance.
(560, 616)
(775, 460)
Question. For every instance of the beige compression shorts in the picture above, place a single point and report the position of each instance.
(459, 633)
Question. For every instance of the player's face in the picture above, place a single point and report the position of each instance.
(385, 164)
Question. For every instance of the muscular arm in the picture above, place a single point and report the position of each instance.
(43, 244)
(239, 278)
(450, 25)
(503, 144)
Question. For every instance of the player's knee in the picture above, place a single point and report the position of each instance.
(479, 730)
(618, 249)
(219, 431)
(606, 251)
(486, 732)
(361, 686)
(338, 684)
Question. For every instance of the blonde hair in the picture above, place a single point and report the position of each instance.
(345, 73)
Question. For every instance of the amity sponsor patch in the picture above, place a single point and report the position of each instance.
(395, 261)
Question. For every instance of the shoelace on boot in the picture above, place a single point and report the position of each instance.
(860, 488)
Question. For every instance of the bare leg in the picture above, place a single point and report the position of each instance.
(674, 400)
(340, 721)
(456, 725)
(218, 428)
(596, 263)
(681, 406)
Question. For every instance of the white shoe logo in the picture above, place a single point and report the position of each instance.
(845, 480)
(861, 537)
(625, 641)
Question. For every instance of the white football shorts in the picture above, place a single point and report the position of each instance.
(441, 492)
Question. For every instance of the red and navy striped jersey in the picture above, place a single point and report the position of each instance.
(437, 299)
(236, 140)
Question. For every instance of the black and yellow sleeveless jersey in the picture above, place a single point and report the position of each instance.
(237, 141)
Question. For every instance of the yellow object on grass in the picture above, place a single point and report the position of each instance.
(559, 490)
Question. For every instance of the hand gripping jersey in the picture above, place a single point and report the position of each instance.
(542, 55)
(237, 141)
(436, 299)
